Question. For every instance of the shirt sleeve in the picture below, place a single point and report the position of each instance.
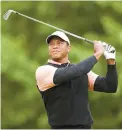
(108, 83)
(91, 80)
(72, 72)
(44, 77)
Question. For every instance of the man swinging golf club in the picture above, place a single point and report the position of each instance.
(64, 86)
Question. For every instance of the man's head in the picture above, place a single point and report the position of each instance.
(59, 46)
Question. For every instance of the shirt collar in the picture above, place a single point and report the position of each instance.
(58, 63)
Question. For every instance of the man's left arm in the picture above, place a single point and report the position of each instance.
(108, 83)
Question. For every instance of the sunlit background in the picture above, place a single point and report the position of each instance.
(24, 49)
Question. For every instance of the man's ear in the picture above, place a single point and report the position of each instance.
(69, 48)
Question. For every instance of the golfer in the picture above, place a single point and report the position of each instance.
(64, 86)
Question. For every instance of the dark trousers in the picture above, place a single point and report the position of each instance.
(71, 127)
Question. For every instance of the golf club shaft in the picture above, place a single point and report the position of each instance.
(74, 35)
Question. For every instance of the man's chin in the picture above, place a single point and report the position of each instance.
(56, 58)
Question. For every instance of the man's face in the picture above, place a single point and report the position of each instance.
(58, 48)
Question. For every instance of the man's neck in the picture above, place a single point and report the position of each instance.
(62, 61)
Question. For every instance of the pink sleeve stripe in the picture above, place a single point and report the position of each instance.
(91, 80)
(44, 77)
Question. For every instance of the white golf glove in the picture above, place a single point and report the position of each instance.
(110, 52)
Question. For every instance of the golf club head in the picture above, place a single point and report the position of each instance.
(7, 14)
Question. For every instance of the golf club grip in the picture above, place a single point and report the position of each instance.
(89, 41)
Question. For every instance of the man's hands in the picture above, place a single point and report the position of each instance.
(98, 49)
(109, 52)
(106, 49)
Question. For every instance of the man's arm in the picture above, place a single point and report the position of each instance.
(105, 84)
(48, 76)
(44, 77)
(72, 72)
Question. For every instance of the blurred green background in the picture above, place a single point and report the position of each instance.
(24, 49)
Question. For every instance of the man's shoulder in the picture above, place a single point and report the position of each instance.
(44, 68)
(44, 71)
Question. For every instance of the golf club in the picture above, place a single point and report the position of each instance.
(8, 13)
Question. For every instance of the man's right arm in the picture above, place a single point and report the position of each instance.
(72, 72)
(48, 76)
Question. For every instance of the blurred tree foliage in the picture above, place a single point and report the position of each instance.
(24, 49)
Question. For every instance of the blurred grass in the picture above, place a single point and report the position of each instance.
(24, 49)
